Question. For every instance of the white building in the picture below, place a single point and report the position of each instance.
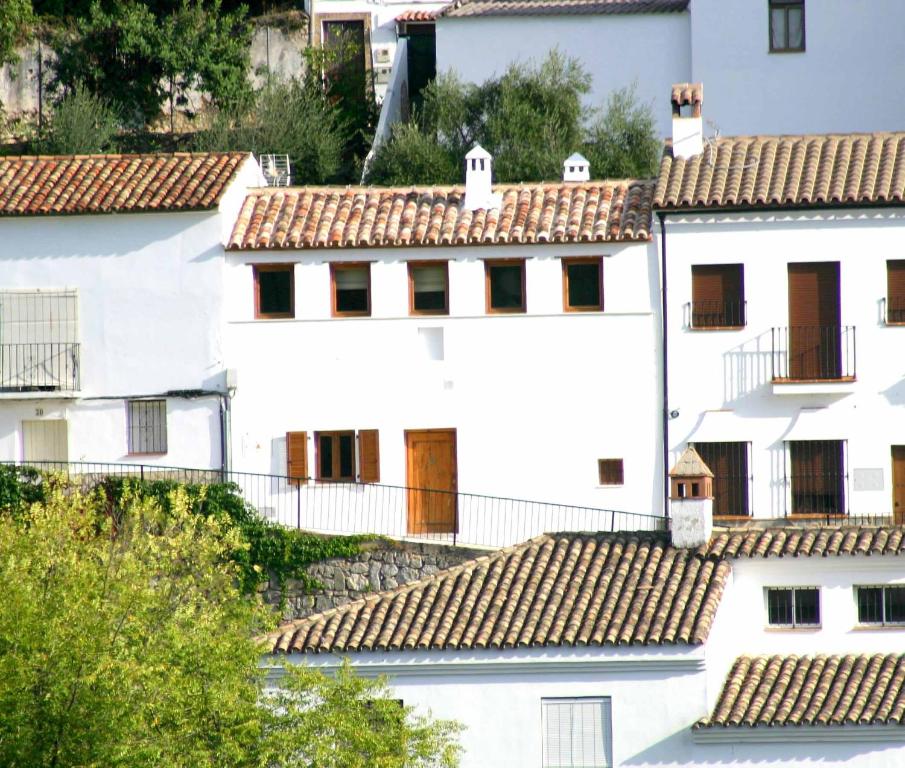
(785, 307)
(111, 306)
(771, 66)
(770, 647)
(504, 344)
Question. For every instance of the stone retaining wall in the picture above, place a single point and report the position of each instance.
(380, 565)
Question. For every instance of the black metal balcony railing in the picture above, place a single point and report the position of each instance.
(39, 367)
(895, 311)
(446, 517)
(813, 353)
(718, 314)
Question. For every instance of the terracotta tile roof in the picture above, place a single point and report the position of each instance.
(770, 171)
(114, 183)
(816, 691)
(568, 589)
(417, 16)
(464, 8)
(685, 94)
(820, 541)
(350, 217)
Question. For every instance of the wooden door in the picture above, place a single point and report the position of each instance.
(431, 477)
(45, 440)
(815, 336)
(898, 484)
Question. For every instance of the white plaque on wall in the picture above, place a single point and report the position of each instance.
(868, 479)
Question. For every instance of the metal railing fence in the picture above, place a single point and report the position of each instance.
(813, 353)
(39, 366)
(395, 511)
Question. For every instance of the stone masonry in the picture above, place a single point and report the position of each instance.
(380, 565)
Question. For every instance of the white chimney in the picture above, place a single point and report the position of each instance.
(478, 176)
(690, 500)
(576, 168)
(687, 123)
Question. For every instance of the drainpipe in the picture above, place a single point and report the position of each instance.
(665, 365)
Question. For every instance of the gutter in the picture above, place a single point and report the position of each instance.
(661, 216)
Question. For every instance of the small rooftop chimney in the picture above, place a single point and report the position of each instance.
(690, 500)
(576, 168)
(687, 123)
(478, 190)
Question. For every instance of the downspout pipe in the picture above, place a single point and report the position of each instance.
(661, 216)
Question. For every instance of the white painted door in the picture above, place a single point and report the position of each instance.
(45, 440)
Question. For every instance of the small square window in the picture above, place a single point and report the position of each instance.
(717, 296)
(786, 26)
(351, 289)
(429, 288)
(147, 426)
(505, 285)
(582, 285)
(793, 606)
(274, 291)
(610, 472)
(881, 605)
(895, 292)
(335, 455)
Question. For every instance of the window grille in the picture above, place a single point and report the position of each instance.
(577, 733)
(817, 477)
(147, 426)
(793, 606)
(729, 464)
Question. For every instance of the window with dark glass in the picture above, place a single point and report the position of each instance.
(582, 285)
(505, 285)
(336, 456)
(610, 472)
(351, 289)
(818, 477)
(729, 464)
(429, 289)
(147, 426)
(793, 606)
(717, 296)
(881, 605)
(274, 290)
(786, 26)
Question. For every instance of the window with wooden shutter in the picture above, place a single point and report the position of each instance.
(895, 292)
(368, 456)
(297, 455)
(818, 477)
(729, 464)
(717, 296)
(610, 472)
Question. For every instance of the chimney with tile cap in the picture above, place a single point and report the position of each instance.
(576, 167)
(688, 128)
(478, 189)
(690, 500)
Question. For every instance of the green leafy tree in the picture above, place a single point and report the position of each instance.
(16, 18)
(125, 641)
(142, 55)
(81, 123)
(530, 119)
(346, 721)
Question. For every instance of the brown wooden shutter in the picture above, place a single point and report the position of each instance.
(297, 455)
(369, 456)
(814, 294)
(717, 294)
(895, 291)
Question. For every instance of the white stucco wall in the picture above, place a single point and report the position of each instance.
(840, 83)
(536, 399)
(720, 381)
(150, 314)
(652, 50)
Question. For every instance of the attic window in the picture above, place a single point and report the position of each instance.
(786, 26)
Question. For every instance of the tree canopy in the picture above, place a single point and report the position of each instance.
(125, 640)
(530, 119)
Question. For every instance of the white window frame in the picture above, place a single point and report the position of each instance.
(601, 743)
(139, 444)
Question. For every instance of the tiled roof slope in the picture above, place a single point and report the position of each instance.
(415, 15)
(815, 691)
(770, 171)
(353, 217)
(114, 183)
(568, 589)
(466, 8)
(809, 542)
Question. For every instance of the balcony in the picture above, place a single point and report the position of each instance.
(716, 315)
(38, 367)
(813, 359)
